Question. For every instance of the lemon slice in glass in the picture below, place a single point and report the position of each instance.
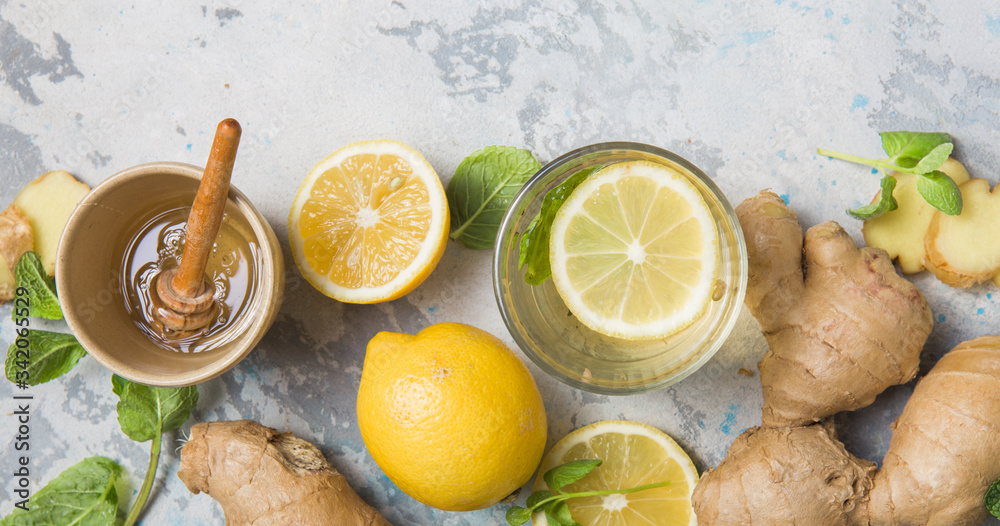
(634, 251)
(369, 222)
(633, 454)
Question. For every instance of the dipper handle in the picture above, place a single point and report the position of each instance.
(206, 213)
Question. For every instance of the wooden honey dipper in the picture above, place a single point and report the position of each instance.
(186, 296)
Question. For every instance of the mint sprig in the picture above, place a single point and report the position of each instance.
(552, 502)
(146, 413)
(917, 153)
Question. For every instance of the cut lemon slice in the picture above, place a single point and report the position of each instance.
(369, 223)
(633, 455)
(634, 251)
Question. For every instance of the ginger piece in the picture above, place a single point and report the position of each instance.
(15, 236)
(901, 232)
(775, 476)
(839, 332)
(48, 202)
(260, 476)
(945, 448)
(8, 285)
(15, 240)
(964, 250)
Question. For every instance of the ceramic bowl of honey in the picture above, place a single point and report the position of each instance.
(129, 229)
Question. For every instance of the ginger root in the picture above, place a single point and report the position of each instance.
(262, 477)
(837, 331)
(963, 250)
(840, 331)
(943, 456)
(48, 202)
(945, 448)
(15, 240)
(770, 474)
(901, 232)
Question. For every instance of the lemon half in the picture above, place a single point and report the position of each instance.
(369, 223)
(633, 454)
(634, 251)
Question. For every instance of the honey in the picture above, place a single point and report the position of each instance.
(157, 244)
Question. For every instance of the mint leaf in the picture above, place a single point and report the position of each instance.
(934, 159)
(42, 300)
(526, 245)
(560, 514)
(569, 473)
(941, 192)
(48, 355)
(886, 202)
(906, 148)
(537, 497)
(535, 240)
(147, 412)
(552, 519)
(482, 188)
(992, 499)
(516, 516)
(84, 495)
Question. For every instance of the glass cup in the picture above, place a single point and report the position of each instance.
(559, 344)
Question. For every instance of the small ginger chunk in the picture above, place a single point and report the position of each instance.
(964, 250)
(48, 202)
(15, 239)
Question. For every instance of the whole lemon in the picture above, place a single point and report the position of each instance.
(451, 415)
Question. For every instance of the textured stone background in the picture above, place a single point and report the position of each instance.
(747, 90)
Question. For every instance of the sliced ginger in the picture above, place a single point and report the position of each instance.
(901, 232)
(48, 202)
(964, 250)
(15, 239)
(960, 250)
(35, 221)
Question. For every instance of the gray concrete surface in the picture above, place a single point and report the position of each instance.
(747, 90)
